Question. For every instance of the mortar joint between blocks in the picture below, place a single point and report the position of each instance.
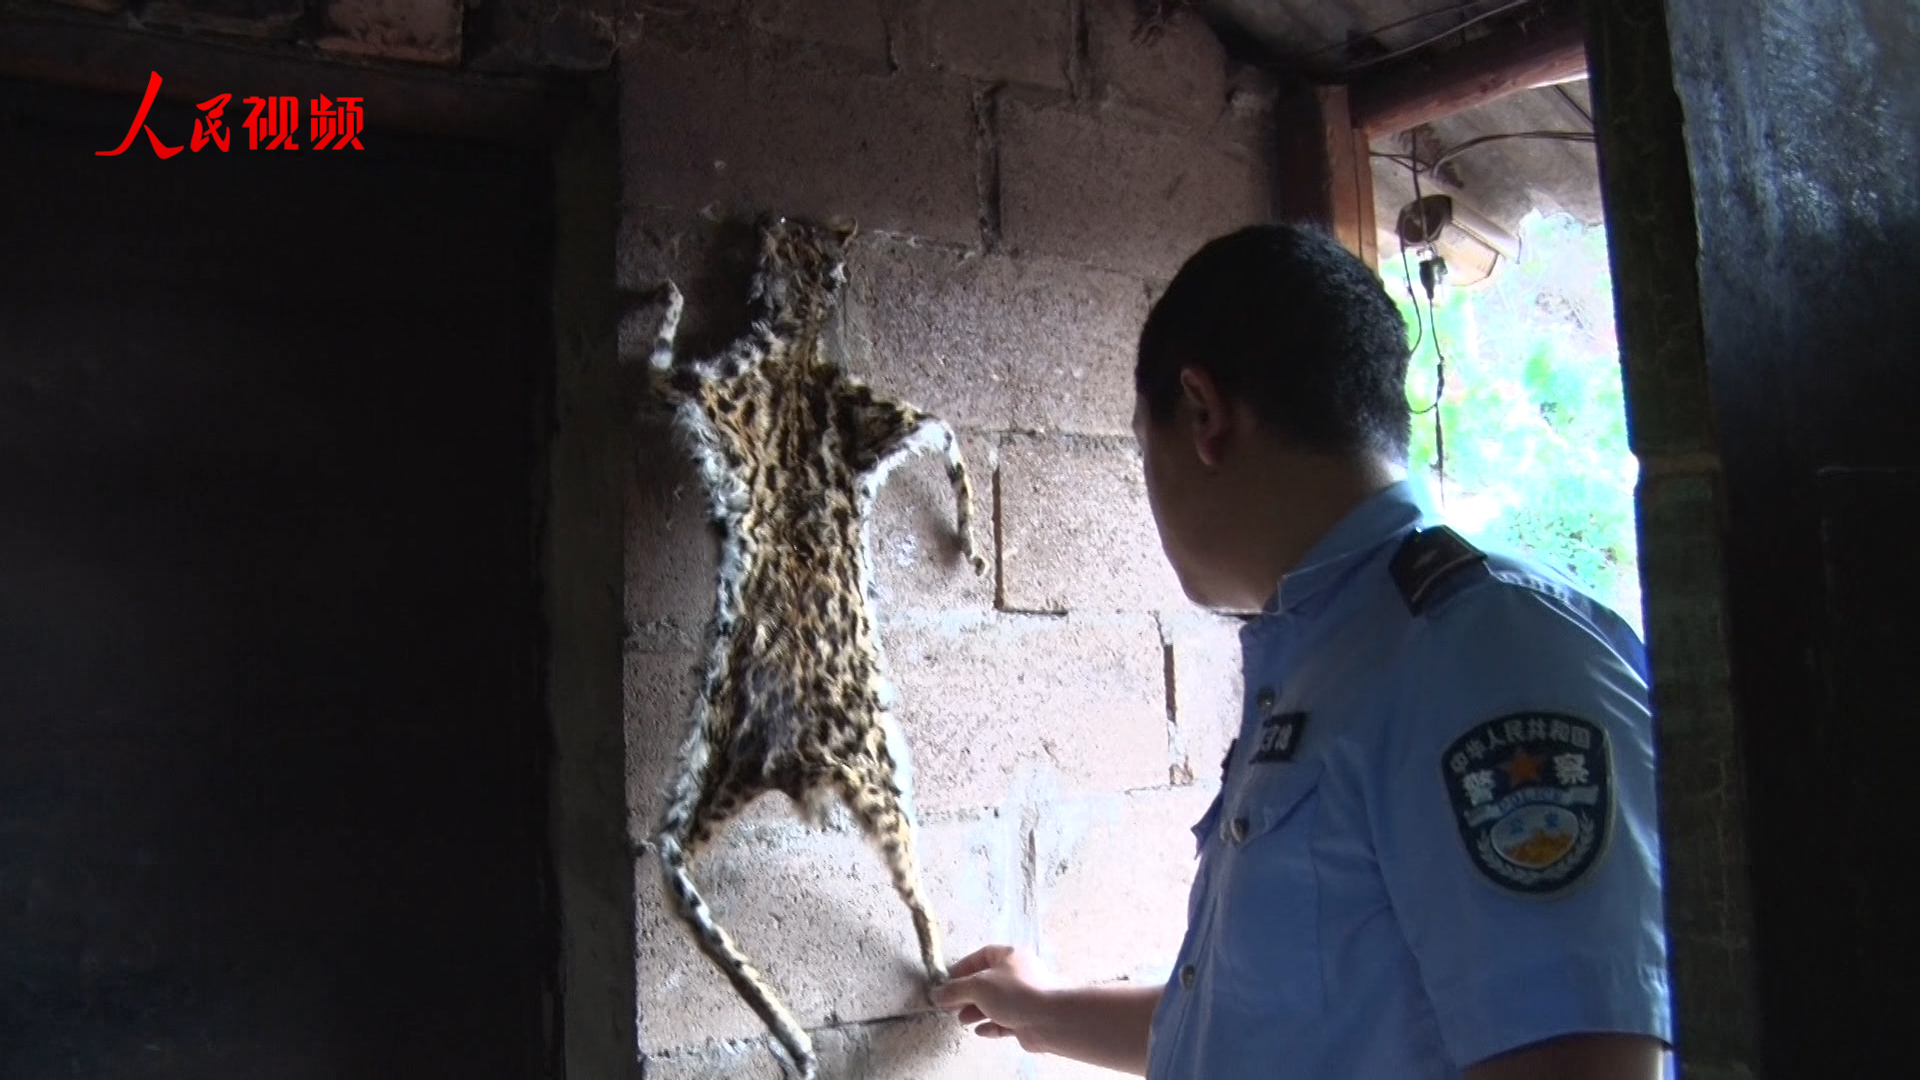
(986, 108)
(1079, 51)
(892, 30)
(1177, 762)
(999, 533)
(1027, 907)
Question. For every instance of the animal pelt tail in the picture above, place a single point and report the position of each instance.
(719, 947)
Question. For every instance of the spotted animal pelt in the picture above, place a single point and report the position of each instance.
(794, 695)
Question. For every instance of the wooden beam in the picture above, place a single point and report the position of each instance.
(1550, 48)
(1323, 173)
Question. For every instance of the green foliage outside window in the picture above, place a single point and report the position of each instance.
(1535, 427)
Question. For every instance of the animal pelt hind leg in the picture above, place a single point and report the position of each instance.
(879, 806)
(694, 814)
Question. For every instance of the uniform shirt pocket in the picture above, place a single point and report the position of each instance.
(1267, 936)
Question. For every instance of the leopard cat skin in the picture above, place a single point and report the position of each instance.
(794, 695)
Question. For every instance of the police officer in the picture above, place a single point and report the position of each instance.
(1433, 853)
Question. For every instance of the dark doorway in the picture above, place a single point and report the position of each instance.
(272, 738)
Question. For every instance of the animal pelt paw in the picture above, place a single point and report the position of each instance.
(807, 1068)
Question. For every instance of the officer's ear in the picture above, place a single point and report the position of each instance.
(1209, 420)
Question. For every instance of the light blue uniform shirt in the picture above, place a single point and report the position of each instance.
(1436, 838)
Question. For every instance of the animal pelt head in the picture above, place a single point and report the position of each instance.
(1152, 17)
(802, 267)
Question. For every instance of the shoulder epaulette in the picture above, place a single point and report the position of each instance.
(1426, 558)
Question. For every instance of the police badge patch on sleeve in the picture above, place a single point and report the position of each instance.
(1532, 794)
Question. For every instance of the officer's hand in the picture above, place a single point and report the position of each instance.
(1003, 990)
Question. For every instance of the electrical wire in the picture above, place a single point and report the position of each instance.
(1440, 385)
(1441, 36)
(1439, 428)
(1413, 164)
(1574, 105)
(1419, 208)
(1452, 152)
(1449, 9)
(1429, 277)
(1439, 356)
(1419, 327)
(1405, 161)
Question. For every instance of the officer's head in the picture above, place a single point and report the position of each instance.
(1275, 355)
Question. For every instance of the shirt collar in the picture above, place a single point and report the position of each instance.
(1381, 517)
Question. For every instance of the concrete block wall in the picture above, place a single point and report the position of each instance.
(1026, 178)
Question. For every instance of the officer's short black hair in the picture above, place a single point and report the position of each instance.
(1284, 318)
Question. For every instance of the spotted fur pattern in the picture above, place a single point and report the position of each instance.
(794, 695)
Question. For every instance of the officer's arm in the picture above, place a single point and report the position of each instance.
(1523, 720)
(1578, 1057)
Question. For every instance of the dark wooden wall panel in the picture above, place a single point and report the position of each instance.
(1802, 124)
(272, 741)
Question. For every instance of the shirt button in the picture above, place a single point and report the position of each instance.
(1237, 830)
(1186, 977)
(1264, 700)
